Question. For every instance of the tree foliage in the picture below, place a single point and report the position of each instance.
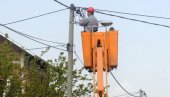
(50, 81)
(58, 78)
(9, 72)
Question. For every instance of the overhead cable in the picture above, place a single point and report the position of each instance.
(42, 47)
(133, 19)
(35, 17)
(142, 15)
(37, 37)
(125, 94)
(31, 38)
(78, 58)
(133, 14)
(38, 48)
(44, 39)
(61, 3)
(122, 86)
(81, 61)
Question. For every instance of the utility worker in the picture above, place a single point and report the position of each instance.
(90, 23)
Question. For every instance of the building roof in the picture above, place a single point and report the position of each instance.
(20, 49)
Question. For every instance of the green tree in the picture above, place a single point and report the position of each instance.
(47, 79)
(9, 71)
(58, 72)
(52, 82)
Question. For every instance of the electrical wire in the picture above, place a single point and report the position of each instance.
(81, 61)
(150, 16)
(142, 15)
(122, 86)
(42, 47)
(18, 44)
(125, 94)
(35, 17)
(21, 46)
(44, 39)
(61, 3)
(78, 58)
(37, 37)
(128, 18)
(31, 38)
(133, 19)
(37, 48)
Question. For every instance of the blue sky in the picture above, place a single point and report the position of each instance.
(144, 50)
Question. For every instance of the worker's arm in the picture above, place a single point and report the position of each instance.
(84, 22)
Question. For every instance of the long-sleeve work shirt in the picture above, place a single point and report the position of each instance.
(89, 24)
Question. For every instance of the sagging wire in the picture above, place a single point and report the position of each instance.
(30, 18)
(31, 38)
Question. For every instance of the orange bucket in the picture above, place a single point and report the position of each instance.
(109, 42)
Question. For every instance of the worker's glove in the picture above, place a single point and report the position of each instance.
(81, 19)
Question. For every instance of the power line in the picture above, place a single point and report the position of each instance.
(36, 37)
(133, 14)
(133, 19)
(61, 3)
(44, 39)
(125, 94)
(122, 86)
(42, 47)
(37, 48)
(78, 58)
(35, 17)
(81, 61)
(21, 46)
(142, 15)
(129, 18)
(31, 38)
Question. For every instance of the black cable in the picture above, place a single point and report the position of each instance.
(34, 17)
(37, 37)
(128, 13)
(122, 86)
(42, 47)
(133, 19)
(61, 3)
(44, 39)
(79, 58)
(125, 94)
(37, 48)
(81, 61)
(31, 38)
(133, 14)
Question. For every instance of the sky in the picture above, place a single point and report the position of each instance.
(144, 49)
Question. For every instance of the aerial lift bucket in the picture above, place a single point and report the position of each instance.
(100, 53)
(109, 40)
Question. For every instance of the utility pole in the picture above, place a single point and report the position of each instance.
(70, 52)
